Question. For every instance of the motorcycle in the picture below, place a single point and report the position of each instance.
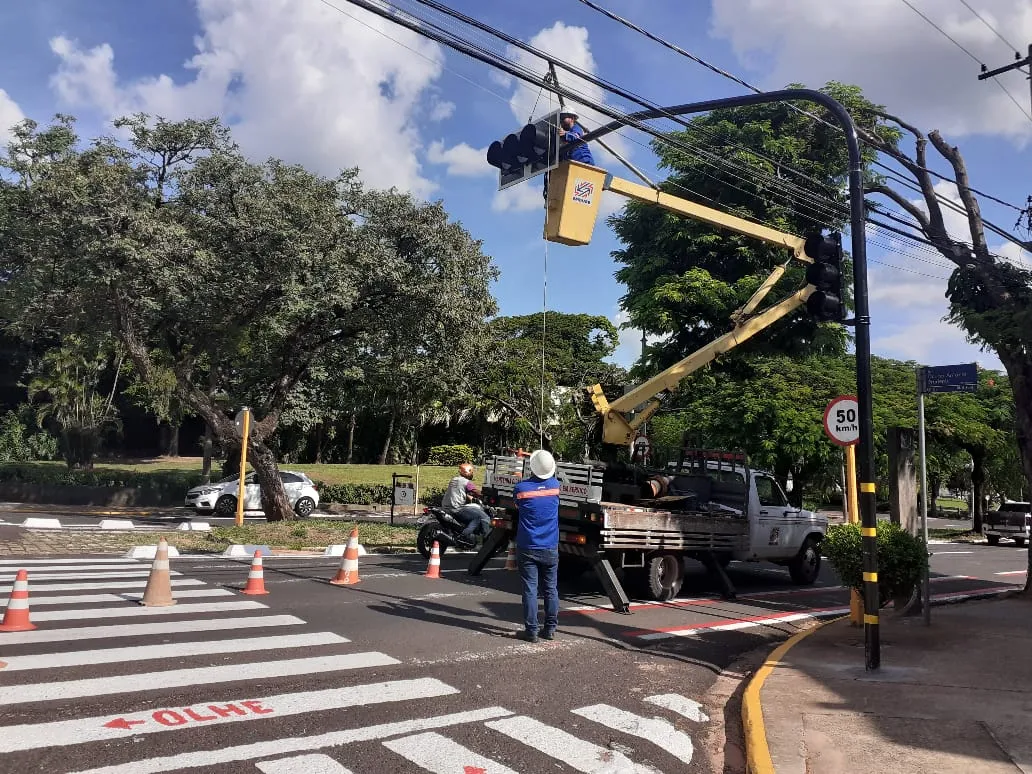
(441, 526)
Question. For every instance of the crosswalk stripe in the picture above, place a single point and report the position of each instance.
(179, 678)
(169, 650)
(684, 707)
(84, 561)
(659, 731)
(576, 753)
(246, 752)
(440, 755)
(316, 763)
(147, 629)
(135, 611)
(75, 599)
(142, 572)
(83, 730)
(71, 570)
(136, 584)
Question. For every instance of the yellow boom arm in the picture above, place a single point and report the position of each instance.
(574, 191)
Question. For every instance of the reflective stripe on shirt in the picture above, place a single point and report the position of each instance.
(537, 493)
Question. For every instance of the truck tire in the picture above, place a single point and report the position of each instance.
(1019, 541)
(665, 575)
(806, 565)
(993, 540)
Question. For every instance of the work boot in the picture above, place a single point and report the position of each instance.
(523, 634)
(547, 634)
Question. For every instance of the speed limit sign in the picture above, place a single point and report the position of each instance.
(842, 420)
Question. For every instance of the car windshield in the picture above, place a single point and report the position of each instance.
(1015, 507)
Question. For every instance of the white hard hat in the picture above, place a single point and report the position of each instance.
(542, 464)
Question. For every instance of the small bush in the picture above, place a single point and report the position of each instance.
(177, 481)
(901, 558)
(450, 455)
(371, 494)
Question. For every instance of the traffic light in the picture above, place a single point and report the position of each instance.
(528, 153)
(826, 303)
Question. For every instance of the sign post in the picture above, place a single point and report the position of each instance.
(934, 379)
(243, 424)
(402, 493)
(842, 426)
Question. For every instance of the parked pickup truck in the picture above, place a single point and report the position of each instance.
(709, 506)
(1012, 520)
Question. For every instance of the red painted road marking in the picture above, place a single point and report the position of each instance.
(473, 770)
(199, 714)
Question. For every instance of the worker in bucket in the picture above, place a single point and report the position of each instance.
(537, 545)
(573, 146)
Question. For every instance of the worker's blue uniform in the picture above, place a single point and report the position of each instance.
(537, 550)
(576, 151)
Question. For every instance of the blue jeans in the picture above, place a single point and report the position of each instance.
(473, 516)
(540, 563)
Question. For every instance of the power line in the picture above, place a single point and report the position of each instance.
(991, 28)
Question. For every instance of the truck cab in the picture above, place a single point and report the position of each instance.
(1011, 520)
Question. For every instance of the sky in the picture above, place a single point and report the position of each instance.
(327, 85)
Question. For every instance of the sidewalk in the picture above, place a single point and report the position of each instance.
(952, 698)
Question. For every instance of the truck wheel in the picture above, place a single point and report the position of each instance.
(665, 575)
(993, 540)
(1019, 541)
(806, 566)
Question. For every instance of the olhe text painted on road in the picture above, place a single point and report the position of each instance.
(198, 713)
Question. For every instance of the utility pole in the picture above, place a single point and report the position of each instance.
(1017, 64)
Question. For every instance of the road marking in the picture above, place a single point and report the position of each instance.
(105, 727)
(950, 553)
(98, 598)
(169, 650)
(84, 561)
(72, 571)
(246, 752)
(138, 584)
(1014, 572)
(146, 629)
(659, 731)
(179, 678)
(310, 764)
(135, 611)
(143, 572)
(440, 755)
(741, 623)
(675, 702)
(576, 753)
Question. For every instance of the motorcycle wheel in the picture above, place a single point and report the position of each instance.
(425, 540)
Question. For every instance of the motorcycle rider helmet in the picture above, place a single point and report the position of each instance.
(466, 470)
(542, 464)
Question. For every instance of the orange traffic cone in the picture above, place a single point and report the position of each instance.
(16, 617)
(158, 592)
(347, 573)
(255, 576)
(433, 569)
(510, 560)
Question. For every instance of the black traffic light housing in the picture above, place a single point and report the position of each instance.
(827, 302)
(527, 153)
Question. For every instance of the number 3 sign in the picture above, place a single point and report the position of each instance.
(842, 420)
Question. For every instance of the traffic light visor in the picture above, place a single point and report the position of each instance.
(822, 248)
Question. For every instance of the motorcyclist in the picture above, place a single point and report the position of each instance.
(457, 502)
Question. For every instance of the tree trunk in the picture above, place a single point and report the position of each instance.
(319, 434)
(387, 441)
(351, 437)
(206, 465)
(1019, 371)
(274, 498)
(173, 439)
(934, 484)
(977, 482)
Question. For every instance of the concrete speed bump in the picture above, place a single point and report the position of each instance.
(116, 524)
(148, 552)
(238, 551)
(34, 522)
(337, 549)
(194, 526)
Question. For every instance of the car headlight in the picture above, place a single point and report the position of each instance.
(208, 490)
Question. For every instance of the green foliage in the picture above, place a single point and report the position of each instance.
(173, 482)
(370, 494)
(20, 442)
(450, 455)
(901, 558)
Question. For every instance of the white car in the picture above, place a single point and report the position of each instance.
(220, 497)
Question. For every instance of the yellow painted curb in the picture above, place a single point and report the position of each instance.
(757, 753)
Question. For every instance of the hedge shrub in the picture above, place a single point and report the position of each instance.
(450, 455)
(54, 475)
(901, 558)
(370, 494)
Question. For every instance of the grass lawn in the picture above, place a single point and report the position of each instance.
(331, 474)
(951, 502)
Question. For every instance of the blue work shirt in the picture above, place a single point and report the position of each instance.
(577, 151)
(537, 500)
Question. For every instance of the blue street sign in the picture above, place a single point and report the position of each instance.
(950, 378)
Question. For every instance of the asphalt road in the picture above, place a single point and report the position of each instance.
(399, 672)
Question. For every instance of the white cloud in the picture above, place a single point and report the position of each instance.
(524, 197)
(886, 48)
(629, 349)
(441, 111)
(462, 160)
(10, 114)
(1012, 252)
(297, 80)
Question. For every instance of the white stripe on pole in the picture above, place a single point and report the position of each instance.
(179, 678)
(138, 584)
(82, 730)
(576, 753)
(675, 702)
(132, 610)
(148, 629)
(440, 755)
(317, 763)
(208, 759)
(659, 731)
(76, 599)
(169, 650)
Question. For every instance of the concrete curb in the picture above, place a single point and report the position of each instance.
(754, 732)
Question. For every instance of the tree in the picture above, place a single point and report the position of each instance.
(990, 298)
(201, 261)
(683, 277)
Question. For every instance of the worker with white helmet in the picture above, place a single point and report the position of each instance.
(537, 544)
(457, 502)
